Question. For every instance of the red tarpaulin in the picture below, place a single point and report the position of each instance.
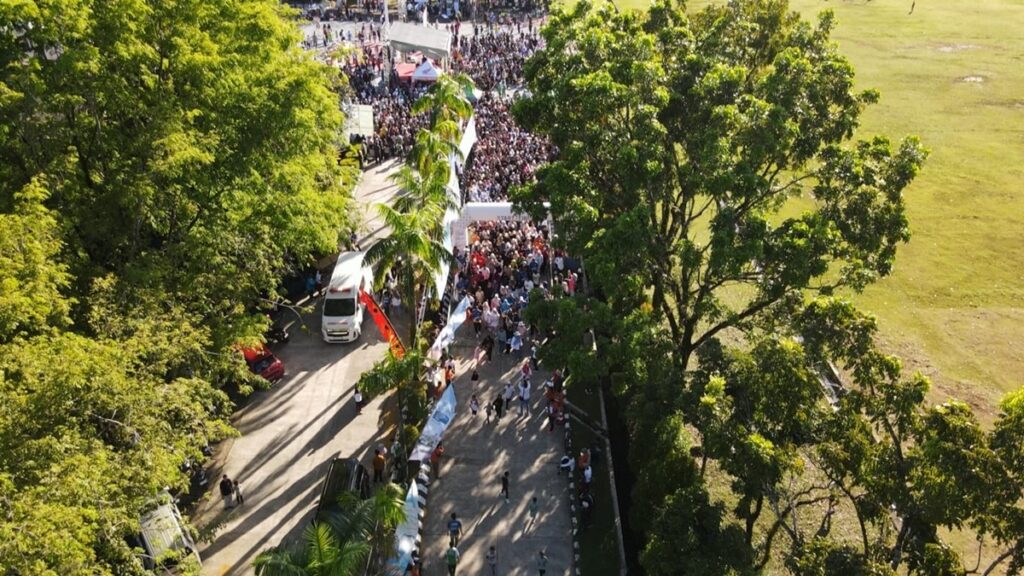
(405, 71)
(383, 324)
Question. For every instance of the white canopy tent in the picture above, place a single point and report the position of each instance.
(432, 42)
(426, 72)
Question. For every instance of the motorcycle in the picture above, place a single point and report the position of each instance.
(278, 335)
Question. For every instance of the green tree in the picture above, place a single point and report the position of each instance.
(686, 134)
(31, 278)
(685, 140)
(184, 151)
(161, 164)
(340, 546)
(412, 250)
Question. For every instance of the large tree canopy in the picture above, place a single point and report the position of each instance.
(712, 176)
(188, 146)
(161, 165)
(682, 139)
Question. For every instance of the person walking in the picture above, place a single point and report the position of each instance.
(534, 508)
(524, 397)
(237, 492)
(542, 563)
(498, 404)
(455, 529)
(379, 463)
(227, 491)
(492, 560)
(435, 459)
(474, 404)
(510, 393)
(504, 486)
(452, 556)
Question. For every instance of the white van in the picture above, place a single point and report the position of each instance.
(342, 319)
(163, 542)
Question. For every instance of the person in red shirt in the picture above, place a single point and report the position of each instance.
(435, 459)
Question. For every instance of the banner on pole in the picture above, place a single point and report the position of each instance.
(447, 335)
(406, 532)
(383, 324)
(434, 429)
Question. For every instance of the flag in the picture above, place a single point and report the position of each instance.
(434, 429)
(383, 324)
(447, 335)
(407, 532)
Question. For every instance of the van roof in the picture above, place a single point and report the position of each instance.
(162, 531)
(347, 271)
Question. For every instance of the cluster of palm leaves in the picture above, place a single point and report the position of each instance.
(355, 541)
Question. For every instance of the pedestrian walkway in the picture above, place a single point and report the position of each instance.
(476, 454)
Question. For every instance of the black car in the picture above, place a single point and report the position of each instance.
(344, 475)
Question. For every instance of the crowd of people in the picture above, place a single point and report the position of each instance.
(505, 154)
(503, 264)
(395, 126)
(494, 60)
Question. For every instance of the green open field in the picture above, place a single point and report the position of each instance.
(952, 73)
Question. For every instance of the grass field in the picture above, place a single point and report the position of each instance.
(952, 73)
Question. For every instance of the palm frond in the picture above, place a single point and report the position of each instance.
(322, 545)
(389, 506)
(351, 559)
(279, 562)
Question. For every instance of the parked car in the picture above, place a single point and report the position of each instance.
(163, 541)
(263, 362)
(344, 475)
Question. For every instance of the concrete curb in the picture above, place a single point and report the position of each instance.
(573, 504)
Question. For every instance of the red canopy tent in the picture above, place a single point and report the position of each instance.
(405, 71)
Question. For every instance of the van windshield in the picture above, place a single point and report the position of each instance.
(340, 307)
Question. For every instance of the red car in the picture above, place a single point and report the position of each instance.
(263, 362)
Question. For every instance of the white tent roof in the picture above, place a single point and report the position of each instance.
(408, 37)
(426, 72)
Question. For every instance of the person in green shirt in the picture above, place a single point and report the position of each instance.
(452, 556)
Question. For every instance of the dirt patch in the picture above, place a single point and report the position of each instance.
(974, 79)
(950, 48)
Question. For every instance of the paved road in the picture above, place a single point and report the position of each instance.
(477, 453)
(290, 433)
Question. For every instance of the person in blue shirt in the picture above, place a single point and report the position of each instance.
(455, 529)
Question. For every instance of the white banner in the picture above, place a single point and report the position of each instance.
(434, 429)
(447, 335)
(406, 532)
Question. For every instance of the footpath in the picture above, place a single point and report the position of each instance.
(476, 455)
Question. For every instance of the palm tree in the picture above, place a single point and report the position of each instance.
(421, 189)
(413, 249)
(341, 545)
(435, 146)
(373, 519)
(404, 374)
(446, 100)
(322, 553)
